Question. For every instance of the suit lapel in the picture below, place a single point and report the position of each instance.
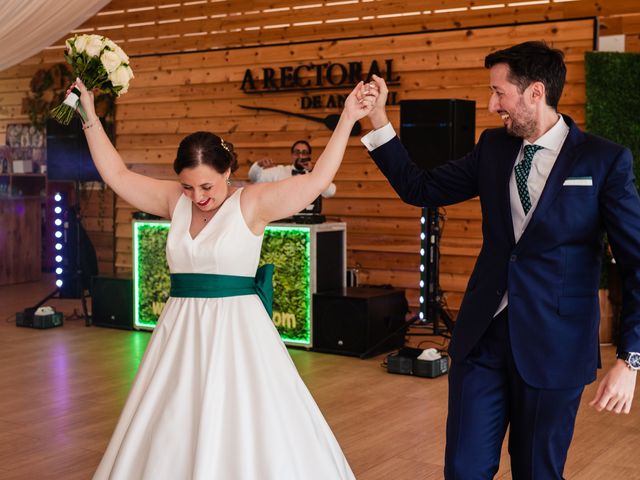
(564, 164)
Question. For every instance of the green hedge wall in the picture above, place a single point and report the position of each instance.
(288, 251)
(613, 99)
(154, 270)
(613, 106)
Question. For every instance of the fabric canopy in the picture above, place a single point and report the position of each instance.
(28, 27)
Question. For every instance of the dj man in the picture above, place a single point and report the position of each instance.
(264, 170)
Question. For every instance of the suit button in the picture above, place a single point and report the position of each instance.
(499, 292)
(513, 258)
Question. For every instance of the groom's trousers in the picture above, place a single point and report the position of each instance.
(487, 395)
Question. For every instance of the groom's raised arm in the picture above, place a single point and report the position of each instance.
(450, 183)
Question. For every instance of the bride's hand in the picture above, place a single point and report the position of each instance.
(360, 101)
(86, 99)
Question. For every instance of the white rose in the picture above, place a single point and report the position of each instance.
(124, 89)
(109, 43)
(81, 43)
(110, 61)
(120, 76)
(123, 56)
(94, 45)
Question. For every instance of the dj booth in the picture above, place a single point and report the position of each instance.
(307, 258)
(312, 308)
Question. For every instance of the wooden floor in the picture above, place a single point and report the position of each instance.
(61, 391)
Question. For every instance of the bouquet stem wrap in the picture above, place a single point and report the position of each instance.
(66, 110)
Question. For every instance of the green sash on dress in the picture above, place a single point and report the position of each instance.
(205, 285)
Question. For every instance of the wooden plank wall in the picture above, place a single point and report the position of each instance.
(627, 25)
(177, 93)
(153, 26)
(20, 240)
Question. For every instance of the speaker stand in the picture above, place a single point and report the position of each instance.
(41, 302)
(79, 272)
(432, 311)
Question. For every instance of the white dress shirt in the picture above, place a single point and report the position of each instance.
(376, 138)
(541, 166)
(543, 162)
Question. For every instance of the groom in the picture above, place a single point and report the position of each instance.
(526, 337)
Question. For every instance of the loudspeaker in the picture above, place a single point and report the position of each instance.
(68, 155)
(436, 131)
(329, 260)
(350, 321)
(112, 301)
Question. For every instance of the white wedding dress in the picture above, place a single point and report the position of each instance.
(216, 395)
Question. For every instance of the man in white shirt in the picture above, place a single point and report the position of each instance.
(264, 170)
(525, 341)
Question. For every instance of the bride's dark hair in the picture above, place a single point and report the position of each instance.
(205, 148)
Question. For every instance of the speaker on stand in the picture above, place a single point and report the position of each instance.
(435, 132)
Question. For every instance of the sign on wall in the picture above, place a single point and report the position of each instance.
(313, 78)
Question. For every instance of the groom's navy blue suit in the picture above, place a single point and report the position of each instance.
(551, 274)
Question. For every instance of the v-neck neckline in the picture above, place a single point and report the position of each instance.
(211, 220)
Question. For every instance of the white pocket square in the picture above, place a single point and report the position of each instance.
(578, 182)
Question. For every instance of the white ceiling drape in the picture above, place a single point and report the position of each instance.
(28, 27)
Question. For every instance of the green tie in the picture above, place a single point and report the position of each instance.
(522, 174)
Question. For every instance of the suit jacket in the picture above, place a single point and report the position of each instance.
(552, 273)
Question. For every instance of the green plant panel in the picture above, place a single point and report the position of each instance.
(613, 99)
(288, 248)
(613, 102)
(151, 282)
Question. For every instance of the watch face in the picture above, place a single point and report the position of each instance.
(634, 360)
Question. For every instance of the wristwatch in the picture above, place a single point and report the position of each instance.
(632, 359)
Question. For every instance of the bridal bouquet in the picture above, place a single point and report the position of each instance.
(100, 64)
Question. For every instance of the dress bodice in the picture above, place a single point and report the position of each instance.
(224, 246)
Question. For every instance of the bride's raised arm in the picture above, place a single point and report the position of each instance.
(144, 193)
(263, 203)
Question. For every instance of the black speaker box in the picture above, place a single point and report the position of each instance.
(436, 131)
(330, 259)
(112, 301)
(350, 321)
(68, 155)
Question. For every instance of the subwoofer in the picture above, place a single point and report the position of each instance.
(112, 301)
(353, 321)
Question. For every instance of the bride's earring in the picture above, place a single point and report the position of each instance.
(228, 182)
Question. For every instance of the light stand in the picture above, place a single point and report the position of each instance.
(80, 269)
(431, 311)
(70, 271)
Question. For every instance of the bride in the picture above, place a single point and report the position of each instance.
(216, 395)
